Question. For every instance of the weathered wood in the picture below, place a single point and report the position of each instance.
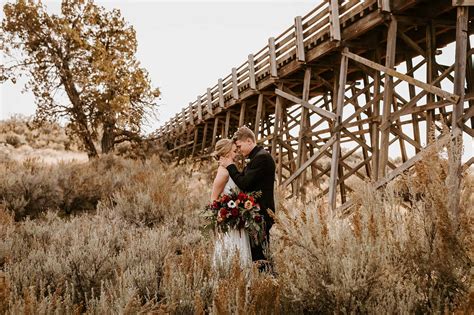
(235, 88)
(425, 86)
(335, 28)
(272, 57)
(221, 93)
(258, 115)
(242, 114)
(214, 132)
(209, 101)
(227, 124)
(463, 2)
(204, 138)
(199, 107)
(336, 146)
(388, 94)
(299, 39)
(320, 111)
(252, 82)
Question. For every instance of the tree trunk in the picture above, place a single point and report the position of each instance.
(108, 138)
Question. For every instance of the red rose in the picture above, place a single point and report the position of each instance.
(235, 212)
(252, 199)
(223, 212)
(215, 204)
(225, 199)
(258, 218)
(242, 196)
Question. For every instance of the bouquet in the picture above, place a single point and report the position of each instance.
(236, 210)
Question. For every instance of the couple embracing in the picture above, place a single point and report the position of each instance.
(258, 175)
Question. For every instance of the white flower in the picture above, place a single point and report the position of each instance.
(231, 204)
(247, 161)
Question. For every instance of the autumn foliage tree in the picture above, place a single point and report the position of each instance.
(81, 66)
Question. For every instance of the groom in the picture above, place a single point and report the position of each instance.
(258, 175)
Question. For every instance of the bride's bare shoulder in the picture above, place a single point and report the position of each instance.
(221, 170)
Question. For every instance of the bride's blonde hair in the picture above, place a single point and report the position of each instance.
(222, 148)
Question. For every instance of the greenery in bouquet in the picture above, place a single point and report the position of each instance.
(236, 210)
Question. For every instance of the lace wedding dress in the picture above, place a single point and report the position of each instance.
(231, 242)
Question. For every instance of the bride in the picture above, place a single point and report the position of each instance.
(233, 241)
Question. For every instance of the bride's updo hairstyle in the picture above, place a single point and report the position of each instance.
(223, 147)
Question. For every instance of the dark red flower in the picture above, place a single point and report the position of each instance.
(215, 204)
(242, 196)
(223, 212)
(225, 199)
(235, 212)
(252, 199)
(258, 218)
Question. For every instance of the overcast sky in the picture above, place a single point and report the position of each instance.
(186, 45)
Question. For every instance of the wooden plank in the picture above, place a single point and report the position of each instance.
(334, 23)
(384, 5)
(296, 100)
(313, 158)
(204, 138)
(387, 95)
(214, 132)
(425, 86)
(209, 101)
(191, 114)
(463, 2)
(221, 93)
(235, 88)
(258, 115)
(242, 114)
(336, 145)
(460, 65)
(195, 142)
(272, 57)
(199, 106)
(299, 39)
(252, 82)
(227, 124)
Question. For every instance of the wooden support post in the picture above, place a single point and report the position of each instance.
(414, 117)
(199, 106)
(227, 124)
(242, 114)
(235, 87)
(204, 137)
(272, 57)
(454, 172)
(302, 152)
(387, 96)
(252, 81)
(258, 116)
(276, 125)
(214, 132)
(336, 145)
(209, 102)
(430, 77)
(299, 39)
(221, 93)
(334, 24)
(191, 114)
(196, 133)
(384, 5)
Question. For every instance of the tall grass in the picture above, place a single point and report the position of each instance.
(122, 236)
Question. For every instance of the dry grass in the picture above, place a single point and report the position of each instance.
(121, 236)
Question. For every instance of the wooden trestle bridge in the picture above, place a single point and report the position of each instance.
(361, 74)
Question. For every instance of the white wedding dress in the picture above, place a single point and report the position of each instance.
(231, 242)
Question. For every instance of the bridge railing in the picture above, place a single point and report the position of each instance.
(308, 31)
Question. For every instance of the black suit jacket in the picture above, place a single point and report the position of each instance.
(258, 175)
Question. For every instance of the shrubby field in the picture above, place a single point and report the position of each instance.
(124, 236)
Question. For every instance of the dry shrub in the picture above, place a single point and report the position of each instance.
(387, 257)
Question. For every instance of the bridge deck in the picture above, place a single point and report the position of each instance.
(287, 92)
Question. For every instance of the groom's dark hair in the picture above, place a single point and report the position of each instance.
(244, 133)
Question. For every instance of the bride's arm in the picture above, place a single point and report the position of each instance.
(219, 183)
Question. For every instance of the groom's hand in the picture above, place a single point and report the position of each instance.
(225, 161)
